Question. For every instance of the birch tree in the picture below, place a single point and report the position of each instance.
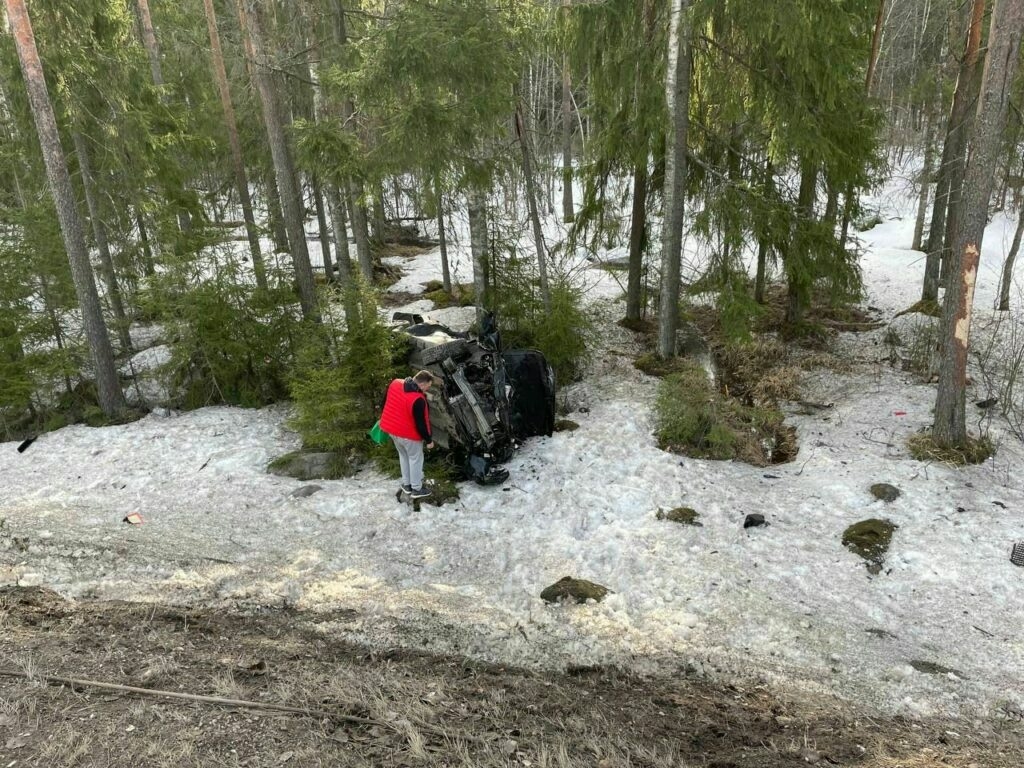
(677, 95)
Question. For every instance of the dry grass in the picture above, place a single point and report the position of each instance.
(432, 711)
(977, 450)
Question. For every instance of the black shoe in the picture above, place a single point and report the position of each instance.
(419, 493)
(406, 488)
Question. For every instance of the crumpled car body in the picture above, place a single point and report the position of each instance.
(487, 400)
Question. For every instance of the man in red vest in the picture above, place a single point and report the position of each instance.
(406, 418)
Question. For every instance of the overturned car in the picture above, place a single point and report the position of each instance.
(486, 399)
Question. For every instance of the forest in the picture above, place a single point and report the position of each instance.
(164, 163)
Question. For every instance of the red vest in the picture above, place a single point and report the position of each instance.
(397, 418)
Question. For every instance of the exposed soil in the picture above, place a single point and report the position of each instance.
(399, 708)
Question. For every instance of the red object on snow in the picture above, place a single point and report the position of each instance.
(899, 413)
(133, 518)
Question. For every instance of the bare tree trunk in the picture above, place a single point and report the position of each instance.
(149, 42)
(360, 230)
(291, 198)
(926, 180)
(357, 207)
(637, 243)
(876, 43)
(568, 207)
(99, 230)
(1011, 257)
(148, 267)
(111, 398)
(1007, 26)
(531, 202)
(446, 275)
(677, 93)
(341, 251)
(220, 75)
(325, 235)
(274, 216)
(799, 255)
(764, 240)
(377, 230)
(950, 178)
(477, 204)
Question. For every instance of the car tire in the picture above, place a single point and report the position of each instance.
(456, 350)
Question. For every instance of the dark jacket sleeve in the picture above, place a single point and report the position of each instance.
(419, 415)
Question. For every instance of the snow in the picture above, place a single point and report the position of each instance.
(785, 603)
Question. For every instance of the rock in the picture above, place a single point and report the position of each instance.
(312, 466)
(306, 490)
(683, 515)
(870, 539)
(885, 492)
(579, 590)
(754, 521)
(566, 425)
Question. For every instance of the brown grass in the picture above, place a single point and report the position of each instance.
(977, 450)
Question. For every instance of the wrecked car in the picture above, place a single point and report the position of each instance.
(487, 399)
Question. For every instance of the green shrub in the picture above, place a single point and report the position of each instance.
(339, 383)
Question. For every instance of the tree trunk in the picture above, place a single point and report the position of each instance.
(341, 252)
(377, 230)
(446, 275)
(799, 256)
(637, 243)
(568, 208)
(360, 230)
(1011, 257)
(111, 398)
(477, 204)
(357, 208)
(325, 235)
(99, 230)
(876, 43)
(950, 178)
(274, 215)
(764, 238)
(149, 42)
(950, 428)
(677, 95)
(238, 164)
(148, 267)
(531, 202)
(926, 180)
(291, 199)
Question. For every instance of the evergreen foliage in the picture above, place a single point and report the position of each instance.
(339, 382)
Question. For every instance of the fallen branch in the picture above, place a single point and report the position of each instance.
(78, 683)
(243, 703)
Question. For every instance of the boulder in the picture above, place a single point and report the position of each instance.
(578, 590)
(566, 425)
(305, 491)
(754, 521)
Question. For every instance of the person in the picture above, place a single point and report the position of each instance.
(406, 418)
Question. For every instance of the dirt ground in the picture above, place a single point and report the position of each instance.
(365, 708)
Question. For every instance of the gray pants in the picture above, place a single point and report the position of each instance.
(410, 456)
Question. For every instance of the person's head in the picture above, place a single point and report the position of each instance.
(423, 380)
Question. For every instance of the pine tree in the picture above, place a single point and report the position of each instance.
(111, 398)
